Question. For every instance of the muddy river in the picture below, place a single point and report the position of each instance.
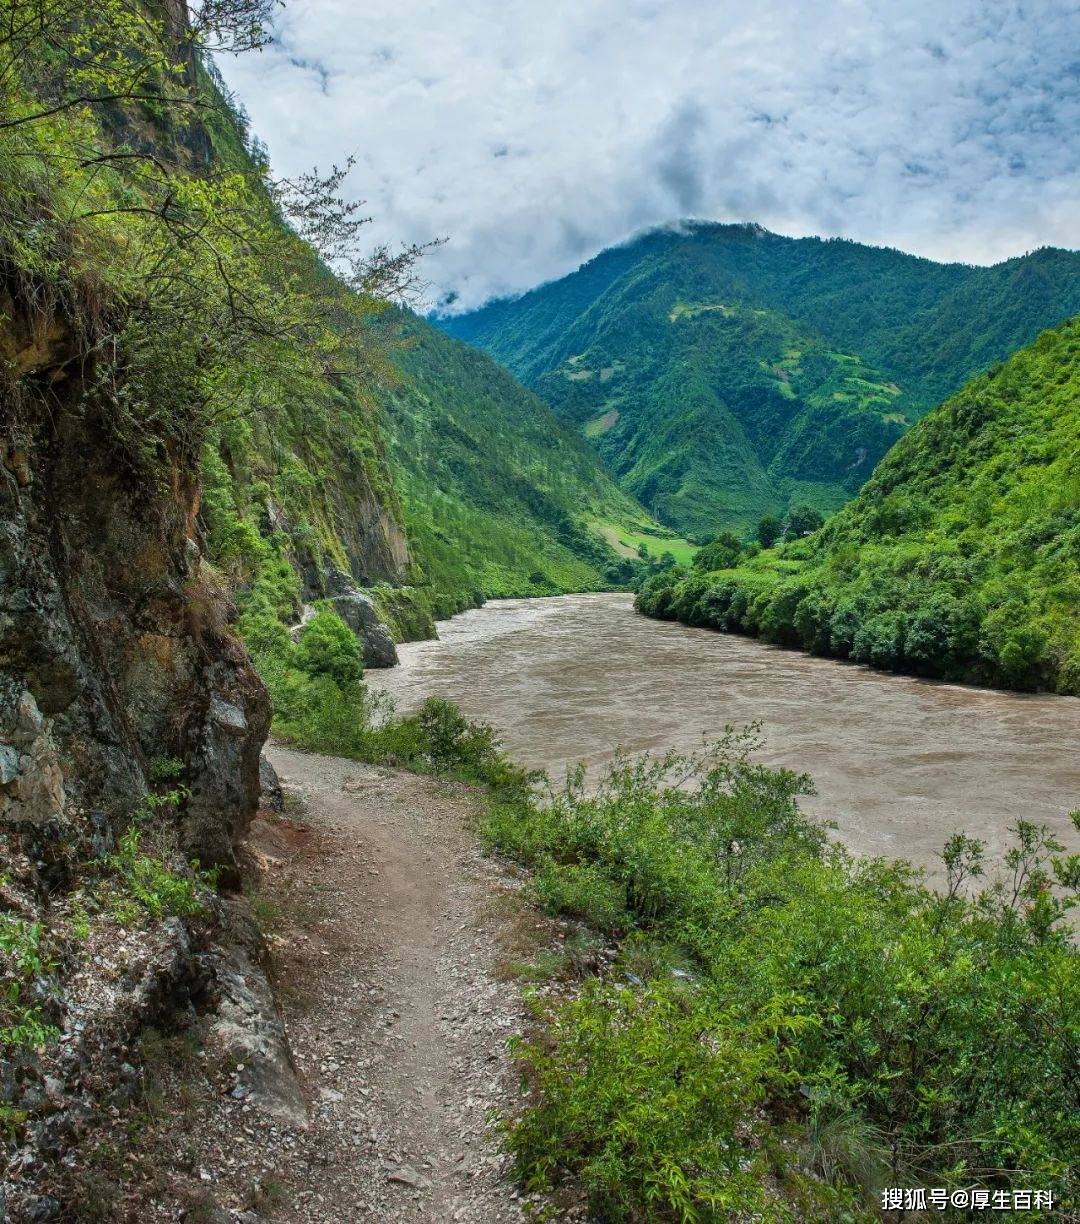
(899, 763)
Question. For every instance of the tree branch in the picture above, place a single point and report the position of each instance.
(99, 101)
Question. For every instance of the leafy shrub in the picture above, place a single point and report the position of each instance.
(943, 632)
(142, 883)
(583, 890)
(879, 641)
(328, 647)
(777, 621)
(440, 739)
(720, 553)
(23, 966)
(806, 1021)
(648, 1097)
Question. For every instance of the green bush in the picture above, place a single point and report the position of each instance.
(23, 968)
(649, 1096)
(721, 553)
(440, 739)
(145, 883)
(328, 647)
(809, 1025)
(583, 890)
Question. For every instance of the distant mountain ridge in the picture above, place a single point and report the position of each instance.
(725, 372)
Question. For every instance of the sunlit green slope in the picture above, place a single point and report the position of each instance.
(961, 556)
(500, 497)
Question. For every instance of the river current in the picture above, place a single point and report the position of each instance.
(899, 763)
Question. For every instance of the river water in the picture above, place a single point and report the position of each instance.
(899, 763)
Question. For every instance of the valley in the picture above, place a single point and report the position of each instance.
(959, 558)
(608, 753)
(725, 372)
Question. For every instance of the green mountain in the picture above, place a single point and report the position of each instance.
(961, 556)
(724, 372)
(209, 448)
(500, 498)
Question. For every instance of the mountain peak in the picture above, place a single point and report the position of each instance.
(724, 371)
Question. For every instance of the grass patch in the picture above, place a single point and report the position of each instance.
(601, 424)
(630, 540)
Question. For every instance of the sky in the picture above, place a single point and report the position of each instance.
(531, 134)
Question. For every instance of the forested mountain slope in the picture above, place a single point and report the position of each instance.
(725, 372)
(961, 556)
(498, 494)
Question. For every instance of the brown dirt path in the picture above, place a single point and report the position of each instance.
(384, 949)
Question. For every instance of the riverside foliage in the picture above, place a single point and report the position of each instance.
(786, 1029)
(960, 558)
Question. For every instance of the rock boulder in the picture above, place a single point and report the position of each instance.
(357, 610)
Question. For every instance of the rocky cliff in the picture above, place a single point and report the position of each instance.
(115, 644)
(118, 666)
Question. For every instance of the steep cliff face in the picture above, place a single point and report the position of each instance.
(179, 448)
(111, 627)
(118, 667)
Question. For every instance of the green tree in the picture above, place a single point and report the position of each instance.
(722, 553)
(328, 647)
(802, 521)
(186, 245)
(768, 530)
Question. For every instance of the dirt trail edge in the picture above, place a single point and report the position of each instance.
(384, 950)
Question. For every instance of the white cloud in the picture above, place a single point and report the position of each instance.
(531, 135)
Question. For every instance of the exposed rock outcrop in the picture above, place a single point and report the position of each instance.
(118, 668)
(377, 553)
(115, 646)
(271, 796)
(246, 1027)
(357, 610)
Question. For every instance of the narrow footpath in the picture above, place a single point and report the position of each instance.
(383, 920)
